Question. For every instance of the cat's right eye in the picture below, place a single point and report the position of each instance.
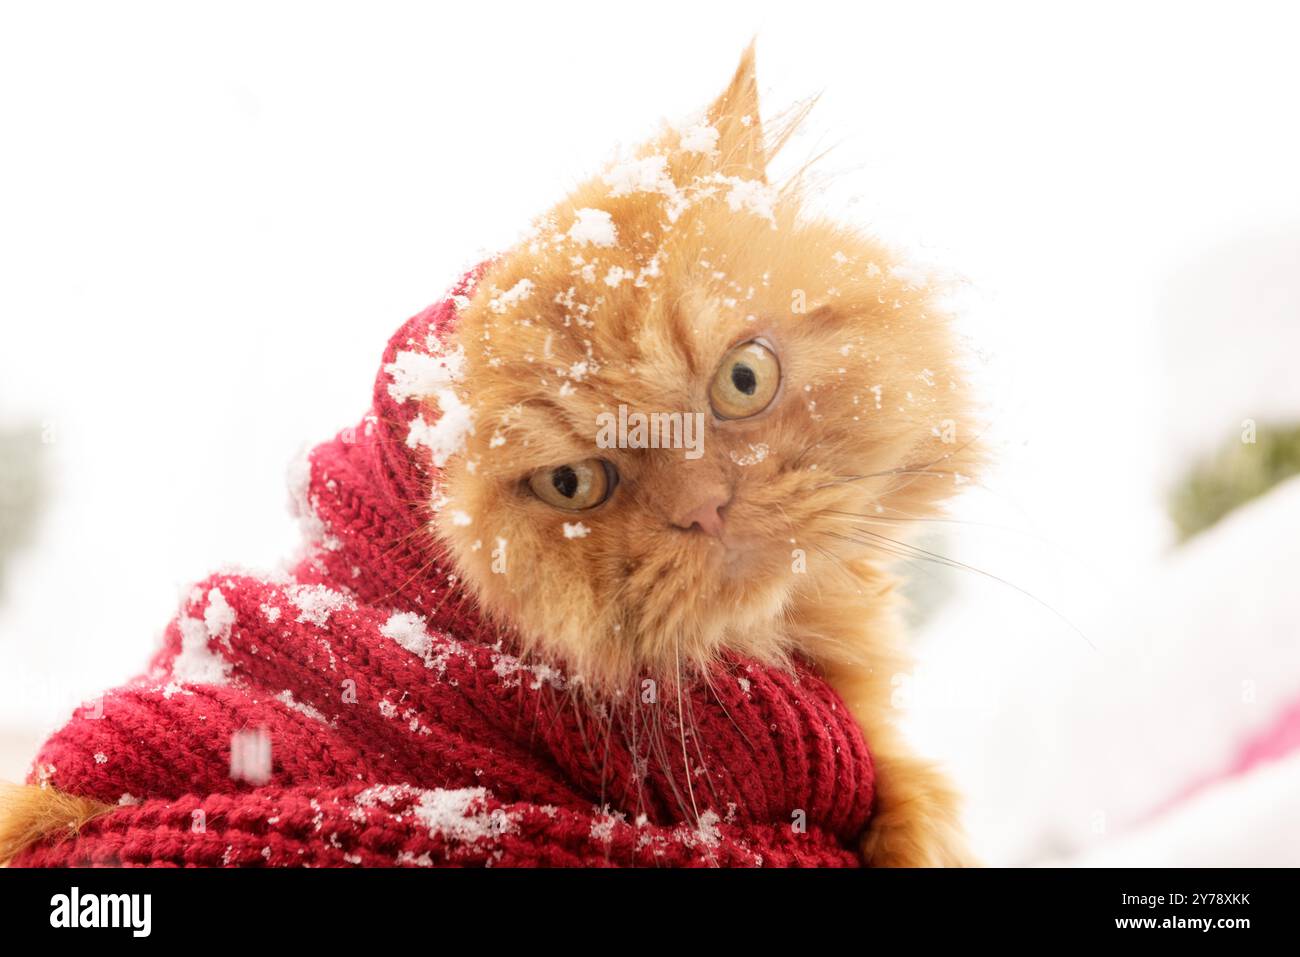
(574, 487)
(746, 382)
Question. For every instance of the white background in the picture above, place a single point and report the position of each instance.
(212, 216)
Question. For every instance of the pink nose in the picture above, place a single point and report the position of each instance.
(707, 515)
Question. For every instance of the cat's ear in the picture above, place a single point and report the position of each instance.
(734, 115)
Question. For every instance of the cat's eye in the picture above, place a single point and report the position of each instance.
(574, 487)
(746, 382)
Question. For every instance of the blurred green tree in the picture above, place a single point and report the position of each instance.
(1238, 472)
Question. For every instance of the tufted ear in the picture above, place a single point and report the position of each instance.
(734, 115)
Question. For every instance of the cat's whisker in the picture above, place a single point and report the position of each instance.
(699, 749)
(604, 764)
(655, 748)
(895, 489)
(579, 714)
(660, 750)
(922, 468)
(632, 747)
(708, 680)
(908, 552)
(681, 729)
(903, 520)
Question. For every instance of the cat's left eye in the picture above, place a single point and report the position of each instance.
(576, 486)
(746, 382)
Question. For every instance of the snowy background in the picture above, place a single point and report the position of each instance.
(212, 218)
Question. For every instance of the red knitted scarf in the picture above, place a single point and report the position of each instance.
(360, 711)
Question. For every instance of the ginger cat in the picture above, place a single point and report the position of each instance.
(801, 397)
(832, 407)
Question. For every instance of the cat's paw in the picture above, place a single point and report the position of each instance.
(894, 840)
(916, 823)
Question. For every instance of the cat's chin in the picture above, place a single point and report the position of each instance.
(740, 557)
(723, 558)
(738, 561)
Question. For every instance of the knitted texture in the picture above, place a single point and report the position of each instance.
(359, 710)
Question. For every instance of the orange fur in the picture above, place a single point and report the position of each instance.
(859, 438)
(29, 815)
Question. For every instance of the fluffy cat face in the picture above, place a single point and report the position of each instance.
(680, 282)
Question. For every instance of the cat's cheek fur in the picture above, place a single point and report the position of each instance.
(520, 566)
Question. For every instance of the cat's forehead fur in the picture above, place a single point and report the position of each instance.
(632, 289)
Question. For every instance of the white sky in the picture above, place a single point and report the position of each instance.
(211, 220)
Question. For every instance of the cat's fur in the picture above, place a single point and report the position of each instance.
(871, 427)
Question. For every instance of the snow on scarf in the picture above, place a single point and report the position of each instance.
(359, 711)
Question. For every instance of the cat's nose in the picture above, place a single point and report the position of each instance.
(707, 514)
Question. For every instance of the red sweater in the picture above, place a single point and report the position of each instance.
(360, 711)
